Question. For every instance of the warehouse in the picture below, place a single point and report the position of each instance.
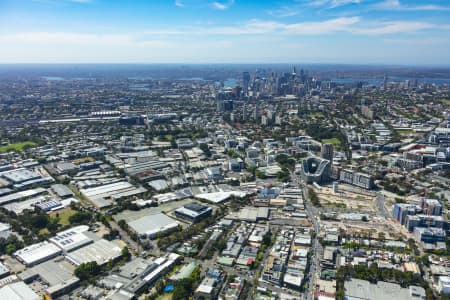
(19, 175)
(151, 226)
(5, 230)
(56, 275)
(37, 253)
(253, 214)
(193, 212)
(21, 195)
(62, 191)
(102, 251)
(103, 196)
(18, 291)
(72, 239)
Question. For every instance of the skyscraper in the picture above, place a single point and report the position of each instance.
(327, 152)
(220, 101)
(246, 82)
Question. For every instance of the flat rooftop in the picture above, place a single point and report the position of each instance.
(37, 253)
(361, 289)
(100, 251)
(152, 224)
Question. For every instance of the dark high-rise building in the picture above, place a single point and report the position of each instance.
(327, 152)
(220, 101)
(246, 82)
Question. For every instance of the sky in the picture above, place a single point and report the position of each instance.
(400, 32)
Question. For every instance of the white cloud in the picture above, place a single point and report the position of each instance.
(397, 5)
(418, 42)
(222, 5)
(45, 38)
(324, 27)
(351, 25)
(333, 3)
(394, 27)
(179, 3)
(284, 11)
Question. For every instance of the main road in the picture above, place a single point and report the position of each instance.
(316, 247)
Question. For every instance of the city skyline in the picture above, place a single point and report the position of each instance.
(198, 31)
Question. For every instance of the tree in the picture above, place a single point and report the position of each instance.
(204, 147)
(86, 271)
(267, 238)
(80, 217)
(285, 161)
(126, 255)
(122, 224)
(283, 175)
(10, 249)
(260, 174)
(183, 289)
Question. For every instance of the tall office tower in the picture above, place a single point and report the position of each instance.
(246, 82)
(327, 152)
(256, 112)
(244, 112)
(220, 101)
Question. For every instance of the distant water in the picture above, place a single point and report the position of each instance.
(57, 78)
(379, 81)
(139, 89)
(192, 78)
(230, 82)
(53, 78)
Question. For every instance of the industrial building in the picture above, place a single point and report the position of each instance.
(253, 214)
(56, 275)
(62, 191)
(72, 239)
(153, 225)
(193, 212)
(136, 275)
(357, 289)
(101, 251)
(18, 291)
(37, 253)
(5, 230)
(105, 195)
(21, 195)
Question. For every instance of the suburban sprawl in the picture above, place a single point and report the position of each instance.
(224, 183)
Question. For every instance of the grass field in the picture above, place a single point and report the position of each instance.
(64, 215)
(446, 101)
(333, 141)
(317, 115)
(165, 297)
(44, 231)
(405, 132)
(17, 147)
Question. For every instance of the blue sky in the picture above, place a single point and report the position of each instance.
(225, 31)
